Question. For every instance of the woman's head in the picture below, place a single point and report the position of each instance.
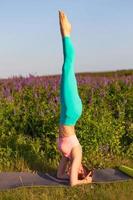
(82, 173)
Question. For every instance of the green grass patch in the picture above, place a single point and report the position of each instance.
(113, 191)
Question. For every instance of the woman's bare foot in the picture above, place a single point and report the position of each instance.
(65, 26)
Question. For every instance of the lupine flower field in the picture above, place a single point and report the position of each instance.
(29, 120)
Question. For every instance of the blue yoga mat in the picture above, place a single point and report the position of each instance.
(20, 179)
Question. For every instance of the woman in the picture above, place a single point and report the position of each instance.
(71, 110)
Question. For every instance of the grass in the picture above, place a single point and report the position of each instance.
(108, 191)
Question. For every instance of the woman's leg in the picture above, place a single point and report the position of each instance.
(71, 105)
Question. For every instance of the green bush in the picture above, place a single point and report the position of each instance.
(29, 121)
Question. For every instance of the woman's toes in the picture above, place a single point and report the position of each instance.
(62, 13)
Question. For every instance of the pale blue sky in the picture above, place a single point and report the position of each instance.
(30, 40)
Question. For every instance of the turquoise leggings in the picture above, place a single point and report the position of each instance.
(71, 104)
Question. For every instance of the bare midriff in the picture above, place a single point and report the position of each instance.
(65, 130)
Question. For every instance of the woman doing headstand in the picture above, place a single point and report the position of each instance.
(71, 110)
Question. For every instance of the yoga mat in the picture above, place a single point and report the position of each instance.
(19, 179)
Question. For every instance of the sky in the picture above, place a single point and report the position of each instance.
(30, 40)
